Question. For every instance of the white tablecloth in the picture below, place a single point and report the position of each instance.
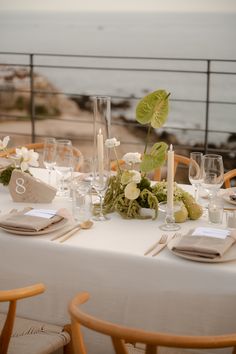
(156, 293)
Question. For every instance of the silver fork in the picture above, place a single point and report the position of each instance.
(162, 241)
(166, 243)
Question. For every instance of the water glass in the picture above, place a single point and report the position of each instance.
(81, 190)
(215, 210)
(81, 198)
(231, 219)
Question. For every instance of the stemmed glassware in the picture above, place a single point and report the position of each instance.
(213, 173)
(99, 184)
(195, 172)
(64, 163)
(49, 154)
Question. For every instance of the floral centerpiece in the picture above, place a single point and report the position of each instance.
(130, 190)
(22, 160)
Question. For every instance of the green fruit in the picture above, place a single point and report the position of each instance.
(182, 214)
(194, 209)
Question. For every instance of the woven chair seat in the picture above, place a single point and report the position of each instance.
(31, 337)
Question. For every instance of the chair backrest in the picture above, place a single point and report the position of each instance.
(178, 160)
(157, 174)
(121, 335)
(12, 296)
(40, 146)
(228, 176)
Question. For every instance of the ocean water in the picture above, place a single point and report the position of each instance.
(158, 35)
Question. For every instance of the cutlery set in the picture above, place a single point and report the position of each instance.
(160, 245)
(66, 234)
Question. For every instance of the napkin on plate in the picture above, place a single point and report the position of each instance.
(21, 221)
(203, 246)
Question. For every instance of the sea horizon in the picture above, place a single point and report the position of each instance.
(158, 35)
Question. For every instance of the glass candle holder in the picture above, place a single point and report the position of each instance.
(215, 211)
(170, 224)
(231, 219)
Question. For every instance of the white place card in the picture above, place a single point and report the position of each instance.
(210, 232)
(42, 213)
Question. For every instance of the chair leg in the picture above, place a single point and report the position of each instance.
(5, 335)
(68, 348)
(151, 349)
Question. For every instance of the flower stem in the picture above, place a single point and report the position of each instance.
(147, 138)
(117, 161)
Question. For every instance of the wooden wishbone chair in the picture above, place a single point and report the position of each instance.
(228, 176)
(31, 336)
(178, 160)
(121, 334)
(12, 151)
(40, 146)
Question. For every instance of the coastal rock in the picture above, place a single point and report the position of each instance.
(15, 94)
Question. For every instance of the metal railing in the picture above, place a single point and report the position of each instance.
(207, 71)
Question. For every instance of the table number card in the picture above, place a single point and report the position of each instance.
(25, 188)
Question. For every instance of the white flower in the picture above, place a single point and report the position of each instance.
(111, 143)
(136, 176)
(131, 191)
(27, 158)
(130, 176)
(132, 157)
(4, 142)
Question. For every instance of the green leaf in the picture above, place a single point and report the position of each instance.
(5, 175)
(155, 158)
(159, 149)
(153, 109)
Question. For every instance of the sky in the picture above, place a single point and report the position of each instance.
(120, 5)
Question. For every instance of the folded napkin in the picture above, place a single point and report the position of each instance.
(203, 246)
(22, 222)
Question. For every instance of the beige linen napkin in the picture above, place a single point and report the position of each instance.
(203, 246)
(22, 222)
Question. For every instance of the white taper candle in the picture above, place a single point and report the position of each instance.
(170, 178)
(100, 155)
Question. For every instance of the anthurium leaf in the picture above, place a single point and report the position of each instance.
(153, 109)
(155, 158)
(159, 149)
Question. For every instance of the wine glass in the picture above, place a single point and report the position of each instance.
(64, 162)
(195, 172)
(100, 181)
(213, 173)
(49, 153)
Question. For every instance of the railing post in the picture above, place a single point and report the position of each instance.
(208, 72)
(32, 108)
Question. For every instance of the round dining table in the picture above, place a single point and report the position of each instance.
(156, 293)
